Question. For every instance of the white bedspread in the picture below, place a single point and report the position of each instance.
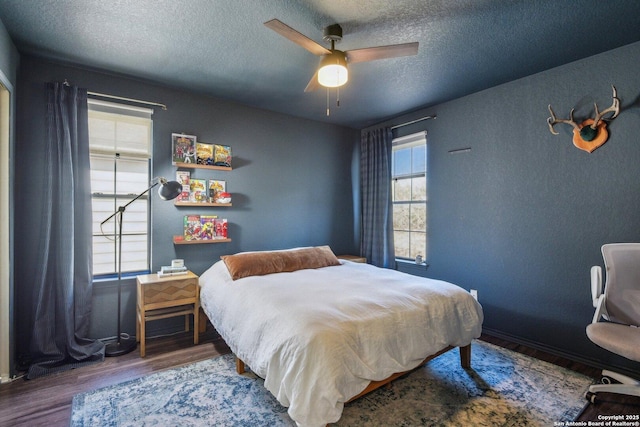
(318, 337)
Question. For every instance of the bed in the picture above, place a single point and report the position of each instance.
(321, 331)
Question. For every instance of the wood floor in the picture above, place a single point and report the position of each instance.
(47, 401)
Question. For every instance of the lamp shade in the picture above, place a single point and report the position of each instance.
(169, 190)
(333, 69)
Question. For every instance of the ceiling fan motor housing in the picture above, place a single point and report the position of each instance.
(332, 33)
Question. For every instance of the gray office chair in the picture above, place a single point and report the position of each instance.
(619, 306)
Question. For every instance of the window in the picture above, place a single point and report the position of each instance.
(409, 187)
(120, 147)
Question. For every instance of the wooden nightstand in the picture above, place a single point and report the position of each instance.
(163, 297)
(354, 258)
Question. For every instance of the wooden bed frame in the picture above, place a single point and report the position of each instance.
(465, 362)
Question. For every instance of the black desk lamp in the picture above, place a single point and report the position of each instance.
(168, 190)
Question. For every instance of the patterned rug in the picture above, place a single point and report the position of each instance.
(504, 388)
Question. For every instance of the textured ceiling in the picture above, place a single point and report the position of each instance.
(221, 47)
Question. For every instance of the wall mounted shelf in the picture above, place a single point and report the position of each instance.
(179, 240)
(197, 166)
(201, 204)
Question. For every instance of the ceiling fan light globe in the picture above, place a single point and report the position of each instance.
(333, 75)
(333, 70)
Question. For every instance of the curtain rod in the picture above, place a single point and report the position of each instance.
(104, 95)
(413, 121)
(138, 101)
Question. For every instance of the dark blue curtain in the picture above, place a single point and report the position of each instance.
(63, 274)
(375, 181)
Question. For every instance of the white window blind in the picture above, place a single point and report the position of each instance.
(409, 195)
(120, 142)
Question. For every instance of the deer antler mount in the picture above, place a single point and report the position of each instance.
(591, 133)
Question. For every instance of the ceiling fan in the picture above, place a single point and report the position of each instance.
(333, 71)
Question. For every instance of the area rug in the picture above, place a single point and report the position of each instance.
(503, 388)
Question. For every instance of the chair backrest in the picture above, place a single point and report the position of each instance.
(622, 286)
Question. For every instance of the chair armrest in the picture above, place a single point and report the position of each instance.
(597, 297)
(600, 310)
(596, 285)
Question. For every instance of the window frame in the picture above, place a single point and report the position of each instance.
(418, 139)
(141, 116)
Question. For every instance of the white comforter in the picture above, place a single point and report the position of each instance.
(319, 336)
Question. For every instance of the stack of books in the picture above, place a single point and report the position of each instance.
(167, 270)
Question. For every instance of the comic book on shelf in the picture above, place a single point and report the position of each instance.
(222, 155)
(183, 148)
(208, 230)
(184, 178)
(198, 190)
(192, 227)
(221, 228)
(204, 153)
(216, 186)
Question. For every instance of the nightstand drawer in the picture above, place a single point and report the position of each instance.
(170, 291)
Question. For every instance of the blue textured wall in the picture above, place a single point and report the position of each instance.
(9, 57)
(522, 216)
(291, 179)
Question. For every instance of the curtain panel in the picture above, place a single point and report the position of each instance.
(63, 275)
(375, 181)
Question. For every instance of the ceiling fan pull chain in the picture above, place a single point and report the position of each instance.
(328, 102)
(338, 97)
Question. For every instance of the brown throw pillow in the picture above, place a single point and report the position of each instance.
(261, 263)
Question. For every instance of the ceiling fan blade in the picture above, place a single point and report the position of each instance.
(313, 83)
(296, 37)
(381, 52)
